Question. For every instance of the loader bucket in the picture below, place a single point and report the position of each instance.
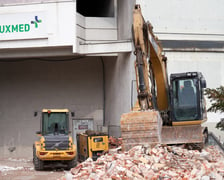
(140, 128)
(182, 134)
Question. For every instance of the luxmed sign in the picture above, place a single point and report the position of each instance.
(14, 28)
(23, 25)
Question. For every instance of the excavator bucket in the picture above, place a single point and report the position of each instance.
(140, 128)
(145, 128)
(191, 134)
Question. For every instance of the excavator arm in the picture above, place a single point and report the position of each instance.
(149, 61)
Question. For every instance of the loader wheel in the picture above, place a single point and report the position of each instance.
(72, 163)
(38, 164)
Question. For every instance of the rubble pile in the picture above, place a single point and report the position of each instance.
(114, 142)
(160, 162)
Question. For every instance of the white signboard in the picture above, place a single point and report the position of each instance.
(23, 26)
(80, 126)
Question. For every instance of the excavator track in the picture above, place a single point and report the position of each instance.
(214, 141)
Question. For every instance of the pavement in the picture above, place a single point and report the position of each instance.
(23, 169)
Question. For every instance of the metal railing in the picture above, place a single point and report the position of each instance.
(213, 140)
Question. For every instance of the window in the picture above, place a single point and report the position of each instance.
(99, 8)
(185, 99)
(55, 123)
(100, 139)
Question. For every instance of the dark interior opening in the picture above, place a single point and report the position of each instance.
(98, 8)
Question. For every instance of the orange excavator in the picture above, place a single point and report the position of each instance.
(166, 113)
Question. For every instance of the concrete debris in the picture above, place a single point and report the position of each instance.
(114, 142)
(160, 162)
(7, 168)
(18, 160)
(4, 168)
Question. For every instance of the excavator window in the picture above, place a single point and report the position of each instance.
(188, 94)
(185, 99)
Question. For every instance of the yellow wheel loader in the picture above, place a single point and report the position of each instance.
(166, 113)
(54, 145)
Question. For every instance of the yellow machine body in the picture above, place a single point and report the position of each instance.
(54, 144)
(163, 114)
(55, 155)
(91, 145)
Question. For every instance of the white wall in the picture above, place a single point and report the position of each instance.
(119, 75)
(210, 64)
(185, 16)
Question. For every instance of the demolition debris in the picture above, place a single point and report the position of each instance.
(160, 162)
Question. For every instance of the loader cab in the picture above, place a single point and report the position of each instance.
(55, 128)
(54, 145)
(187, 98)
(55, 122)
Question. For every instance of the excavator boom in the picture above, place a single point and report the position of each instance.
(147, 48)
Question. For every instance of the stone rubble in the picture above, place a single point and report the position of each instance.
(8, 168)
(159, 162)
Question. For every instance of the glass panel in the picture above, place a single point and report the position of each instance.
(98, 139)
(185, 99)
(55, 122)
(99, 8)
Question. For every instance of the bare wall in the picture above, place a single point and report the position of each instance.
(32, 85)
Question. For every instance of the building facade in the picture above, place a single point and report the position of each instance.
(63, 54)
(77, 54)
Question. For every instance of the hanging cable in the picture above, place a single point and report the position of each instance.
(40, 59)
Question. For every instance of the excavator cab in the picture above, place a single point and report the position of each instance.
(187, 99)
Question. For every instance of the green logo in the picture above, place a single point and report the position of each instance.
(36, 21)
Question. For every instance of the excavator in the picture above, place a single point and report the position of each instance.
(167, 111)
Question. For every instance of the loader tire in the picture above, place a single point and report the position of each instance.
(71, 164)
(38, 164)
